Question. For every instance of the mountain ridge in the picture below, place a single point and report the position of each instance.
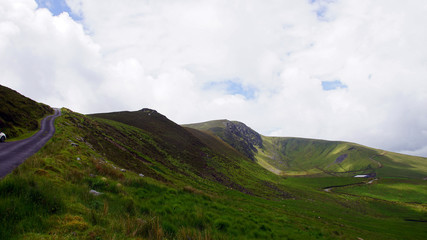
(237, 134)
(188, 147)
(290, 156)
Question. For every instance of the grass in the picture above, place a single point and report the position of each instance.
(297, 157)
(402, 166)
(293, 157)
(323, 182)
(397, 190)
(48, 196)
(25, 132)
(18, 114)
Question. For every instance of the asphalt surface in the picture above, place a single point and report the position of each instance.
(12, 154)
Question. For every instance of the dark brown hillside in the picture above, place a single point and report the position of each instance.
(18, 113)
(188, 147)
(169, 135)
(216, 143)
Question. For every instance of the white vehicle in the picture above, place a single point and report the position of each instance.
(2, 137)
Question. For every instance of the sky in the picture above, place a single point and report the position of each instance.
(351, 70)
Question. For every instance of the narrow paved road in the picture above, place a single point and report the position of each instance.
(12, 154)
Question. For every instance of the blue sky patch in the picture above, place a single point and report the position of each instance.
(233, 87)
(322, 8)
(321, 12)
(332, 85)
(57, 7)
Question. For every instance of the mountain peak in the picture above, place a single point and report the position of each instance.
(148, 110)
(237, 134)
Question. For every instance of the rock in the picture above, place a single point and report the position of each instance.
(141, 175)
(123, 170)
(95, 193)
(74, 144)
(90, 146)
(79, 159)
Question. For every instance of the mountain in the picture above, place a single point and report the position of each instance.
(139, 175)
(19, 114)
(205, 155)
(288, 156)
(237, 134)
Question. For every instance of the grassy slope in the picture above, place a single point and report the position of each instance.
(206, 156)
(48, 196)
(310, 157)
(296, 156)
(19, 115)
(397, 190)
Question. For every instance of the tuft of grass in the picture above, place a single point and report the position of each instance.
(193, 234)
(26, 204)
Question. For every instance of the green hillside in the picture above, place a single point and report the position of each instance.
(138, 175)
(296, 156)
(19, 115)
(287, 156)
(203, 155)
(49, 195)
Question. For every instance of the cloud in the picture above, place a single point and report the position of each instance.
(266, 63)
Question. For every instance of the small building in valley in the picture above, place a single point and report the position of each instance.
(370, 175)
(362, 176)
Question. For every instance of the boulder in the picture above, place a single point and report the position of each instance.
(95, 193)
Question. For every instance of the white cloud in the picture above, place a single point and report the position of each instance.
(125, 55)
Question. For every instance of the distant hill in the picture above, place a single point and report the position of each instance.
(289, 156)
(237, 134)
(196, 151)
(19, 114)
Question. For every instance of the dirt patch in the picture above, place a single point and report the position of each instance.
(341, 158)
(415, 220)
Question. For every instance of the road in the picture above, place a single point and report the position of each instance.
(328, 189)
(12, 154)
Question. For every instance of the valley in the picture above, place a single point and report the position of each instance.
(155, 179)
(287, 156)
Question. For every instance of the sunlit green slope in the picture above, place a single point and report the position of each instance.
(297, 156)
(310, 157)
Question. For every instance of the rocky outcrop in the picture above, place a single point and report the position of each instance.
(242, 138)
